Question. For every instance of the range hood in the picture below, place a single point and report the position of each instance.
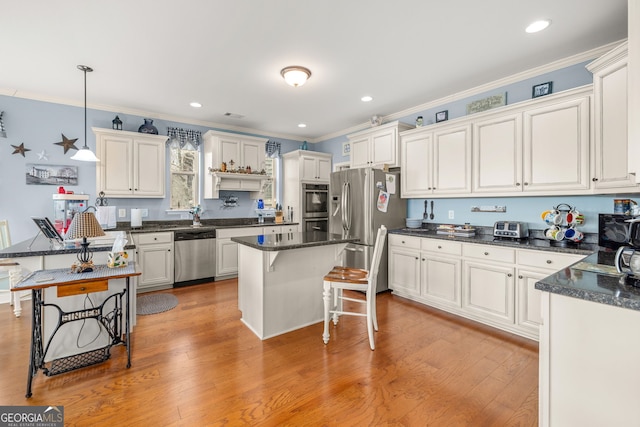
(230, 181)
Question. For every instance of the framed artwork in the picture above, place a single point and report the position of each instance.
(541, 89)
(346, 148)
(51, 174)
(442, 116)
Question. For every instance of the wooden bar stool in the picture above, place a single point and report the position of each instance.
(355, 279)
(11, 267)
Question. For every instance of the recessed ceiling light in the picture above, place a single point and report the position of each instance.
(366, 98)
(302, 125)
(195, 104)
(536, 26)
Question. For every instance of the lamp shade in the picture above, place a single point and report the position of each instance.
(85, 155)
(84, 224)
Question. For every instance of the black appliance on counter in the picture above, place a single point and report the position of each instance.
(614, 230)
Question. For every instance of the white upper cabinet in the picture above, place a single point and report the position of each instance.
(236, 151)
(131, 164)
(377, 146)
(497, 154)
(416, 175)
(610, 149)
(452, 160)
(556, 146)
(436, 161)
(314, 167)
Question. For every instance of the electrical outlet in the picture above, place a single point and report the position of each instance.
(145, 213)
(451, 215)
(122, 213)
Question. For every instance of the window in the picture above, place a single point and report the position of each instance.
(184, 178)
(269, 192)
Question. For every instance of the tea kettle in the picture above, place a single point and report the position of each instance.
(628, 260)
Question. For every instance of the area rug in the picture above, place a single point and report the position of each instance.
(155, 303)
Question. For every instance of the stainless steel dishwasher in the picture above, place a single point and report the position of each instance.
(195, 257)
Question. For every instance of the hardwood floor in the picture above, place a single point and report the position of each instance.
(198, 365)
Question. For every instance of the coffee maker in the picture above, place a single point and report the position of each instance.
(627, 259)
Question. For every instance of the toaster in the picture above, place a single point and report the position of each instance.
(511, 229)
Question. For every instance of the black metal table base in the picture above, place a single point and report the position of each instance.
(110, 321)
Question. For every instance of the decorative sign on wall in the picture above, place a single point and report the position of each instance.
(346, 148)
(487, 103)
(51, 174)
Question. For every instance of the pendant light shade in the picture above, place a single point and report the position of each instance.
(85, 154)
(295, 75)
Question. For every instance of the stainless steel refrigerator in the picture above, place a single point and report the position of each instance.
(360, 203)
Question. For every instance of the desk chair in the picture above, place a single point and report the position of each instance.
(11, 267)
(341, 278)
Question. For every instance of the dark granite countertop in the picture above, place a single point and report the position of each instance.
(594, 279)
(42, 246)
(286, 241)
(537, 243)
(206, 225)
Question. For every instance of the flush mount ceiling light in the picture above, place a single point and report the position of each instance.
(85, 154)
(295, 75)
(366, 98)
(536, 26)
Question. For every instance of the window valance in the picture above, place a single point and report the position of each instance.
(186, 139)
(272, 148)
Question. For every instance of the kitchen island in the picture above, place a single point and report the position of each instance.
(589, 346)
(280, 279)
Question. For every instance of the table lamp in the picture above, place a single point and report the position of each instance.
(83, 225)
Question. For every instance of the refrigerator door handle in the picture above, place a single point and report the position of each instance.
(344, 206)
(348, 221)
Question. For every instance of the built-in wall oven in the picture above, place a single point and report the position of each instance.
(315, 207)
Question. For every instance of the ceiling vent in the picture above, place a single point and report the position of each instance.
(234, 115)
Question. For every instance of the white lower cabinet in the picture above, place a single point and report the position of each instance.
(491, 284)
(155, 258)
(227, 251)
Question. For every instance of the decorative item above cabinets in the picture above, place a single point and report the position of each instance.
(132, 164)
(377, 146)
(233, 162)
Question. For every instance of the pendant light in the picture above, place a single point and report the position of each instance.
(85, 154)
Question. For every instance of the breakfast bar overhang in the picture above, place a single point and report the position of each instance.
(280, 279)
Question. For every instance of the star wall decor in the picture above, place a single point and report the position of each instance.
(43, 155)
(19, 149)
(67, 143)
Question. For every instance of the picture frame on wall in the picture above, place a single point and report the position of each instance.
(40, 174)
(442, 116)
(542, 89)
(346, 148)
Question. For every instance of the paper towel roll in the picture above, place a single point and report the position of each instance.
(136, 218)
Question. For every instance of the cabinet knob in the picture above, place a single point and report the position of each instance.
(549, 261)
(155, 238)
(423, 259)
(520, 277)
(417, 258)
(509, 275)
(594, 179)
(83, 288)
(403, 242)
(486, 253)
(517, 184)
(439, 247)
(526, 183)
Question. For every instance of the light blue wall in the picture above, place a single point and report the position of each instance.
(525, 209)
(39, 125)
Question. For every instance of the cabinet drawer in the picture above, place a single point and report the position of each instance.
(153, 238)
(548, 260)
(279, 229)
(404, 241)
(83, 288)
(442, 246)
(490, 253)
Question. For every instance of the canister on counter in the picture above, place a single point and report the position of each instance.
(621, 206)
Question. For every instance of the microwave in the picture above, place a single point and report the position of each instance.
(614, 230)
